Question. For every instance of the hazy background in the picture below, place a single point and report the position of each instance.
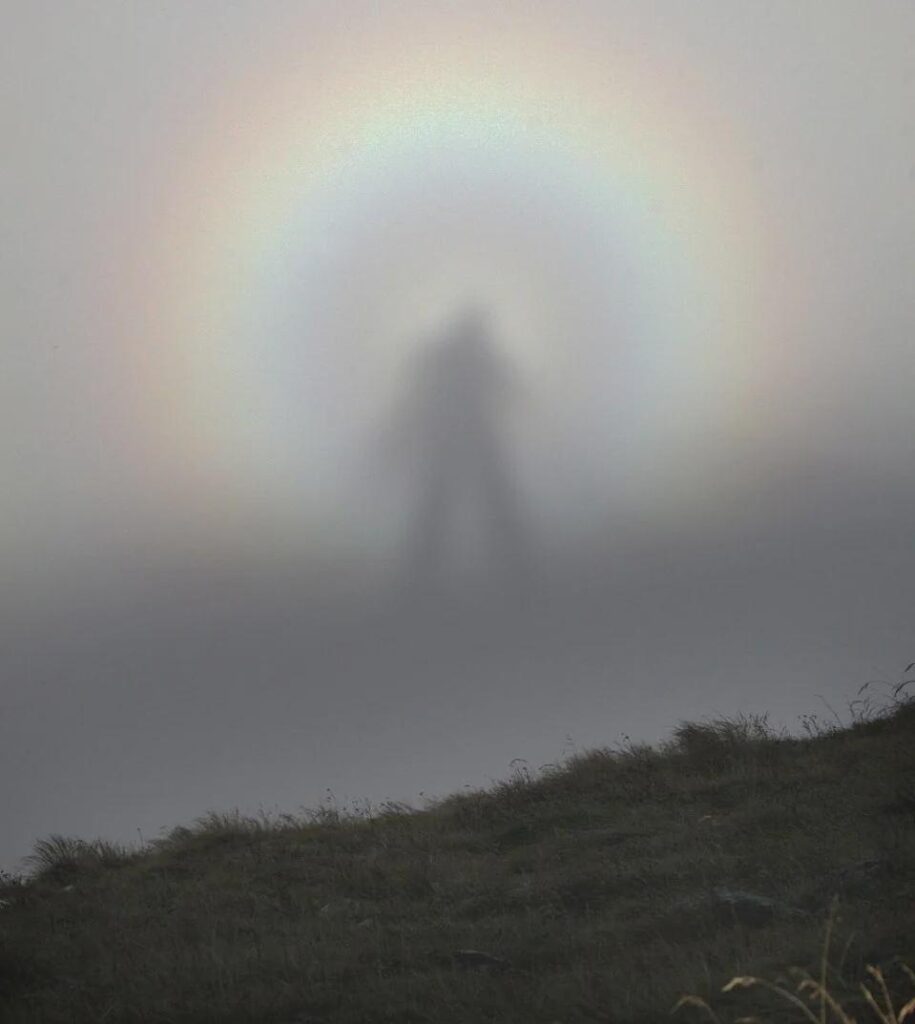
(233, 236)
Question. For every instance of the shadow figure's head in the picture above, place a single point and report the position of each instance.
(471, 323)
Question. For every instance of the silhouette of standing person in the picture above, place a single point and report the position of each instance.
(454, 415)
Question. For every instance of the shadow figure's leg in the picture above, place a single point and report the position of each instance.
(509, 547)
(426, 546)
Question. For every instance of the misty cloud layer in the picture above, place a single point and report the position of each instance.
(393, 390)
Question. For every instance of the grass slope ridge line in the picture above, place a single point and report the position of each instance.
(601, 889)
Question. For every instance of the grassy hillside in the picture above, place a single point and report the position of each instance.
(599, 890)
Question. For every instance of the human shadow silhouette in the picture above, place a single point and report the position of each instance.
(449, 433)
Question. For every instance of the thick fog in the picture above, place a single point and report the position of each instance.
(394, 390)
